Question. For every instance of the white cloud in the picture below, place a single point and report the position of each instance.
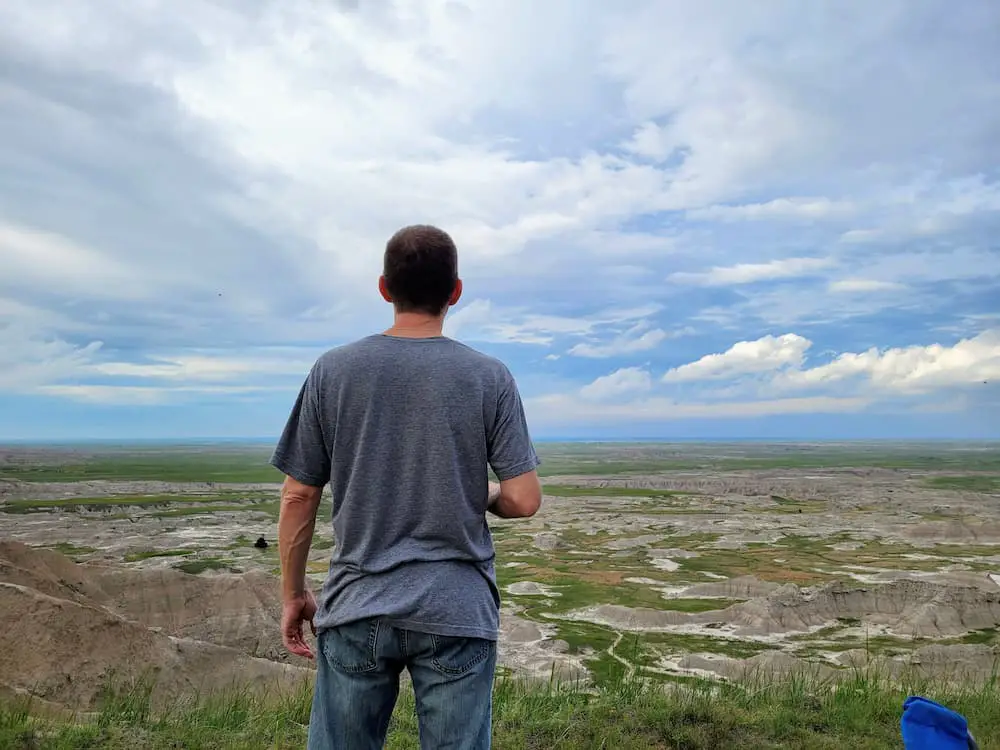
(912, 369)
(743, 358)
(29, 360)
(968, 195)
(749, 273)
(650, 141)
(627, 381)
(779, 208)
(895, 380)
(195, 367)
(137, 395)
(54, 263)
(35, 361)
(931, 265)
(480, 320)
(109, 395)
(30, 317)
(636, 339)
(863, 236)
(909, 369)
(834, 307)
(565, 409)
(850, 286)
(928, 207)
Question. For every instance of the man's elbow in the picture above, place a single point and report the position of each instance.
(531, 507)
(529, 504)
(297, 494)
(294, 502)
(525, 495)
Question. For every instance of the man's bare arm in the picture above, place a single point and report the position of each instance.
(296, 522)
(520, 497)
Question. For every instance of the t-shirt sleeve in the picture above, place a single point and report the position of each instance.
(302, 452)
(511, 452)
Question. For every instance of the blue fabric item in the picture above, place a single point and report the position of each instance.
(927, 725)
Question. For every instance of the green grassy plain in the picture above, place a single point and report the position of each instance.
(984, 483)
(863, 713)
(229, 464)
(570, 490)
(153, 553)
(200, 565)
(108, 502)
(628, 458)
(248, 463)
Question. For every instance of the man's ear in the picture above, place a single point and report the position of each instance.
(456, 295)
(383, 289)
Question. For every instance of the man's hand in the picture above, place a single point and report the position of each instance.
(295, 612)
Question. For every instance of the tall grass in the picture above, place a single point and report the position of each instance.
(860, 712)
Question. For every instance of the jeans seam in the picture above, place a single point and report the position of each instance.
(372, 640)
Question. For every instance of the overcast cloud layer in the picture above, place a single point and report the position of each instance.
(674, 218)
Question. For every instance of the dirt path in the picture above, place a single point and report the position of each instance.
(611, 651)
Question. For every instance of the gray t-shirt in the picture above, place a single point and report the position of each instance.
(403, 430)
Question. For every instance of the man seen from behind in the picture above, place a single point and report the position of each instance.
(402, 425)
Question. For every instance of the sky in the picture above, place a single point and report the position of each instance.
(695, 219)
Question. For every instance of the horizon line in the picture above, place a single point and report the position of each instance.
(180, 441)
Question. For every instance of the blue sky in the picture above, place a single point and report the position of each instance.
(675, 219)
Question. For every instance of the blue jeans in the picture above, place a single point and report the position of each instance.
(357, 683)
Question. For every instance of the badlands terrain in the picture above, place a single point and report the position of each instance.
(669, 562)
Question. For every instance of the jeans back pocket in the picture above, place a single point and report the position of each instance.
(454, 655)
(351, 647)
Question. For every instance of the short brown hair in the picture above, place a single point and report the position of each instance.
(420, 269)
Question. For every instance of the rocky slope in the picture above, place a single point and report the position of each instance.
(67, 629)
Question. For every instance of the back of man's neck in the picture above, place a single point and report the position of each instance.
(416, 326)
